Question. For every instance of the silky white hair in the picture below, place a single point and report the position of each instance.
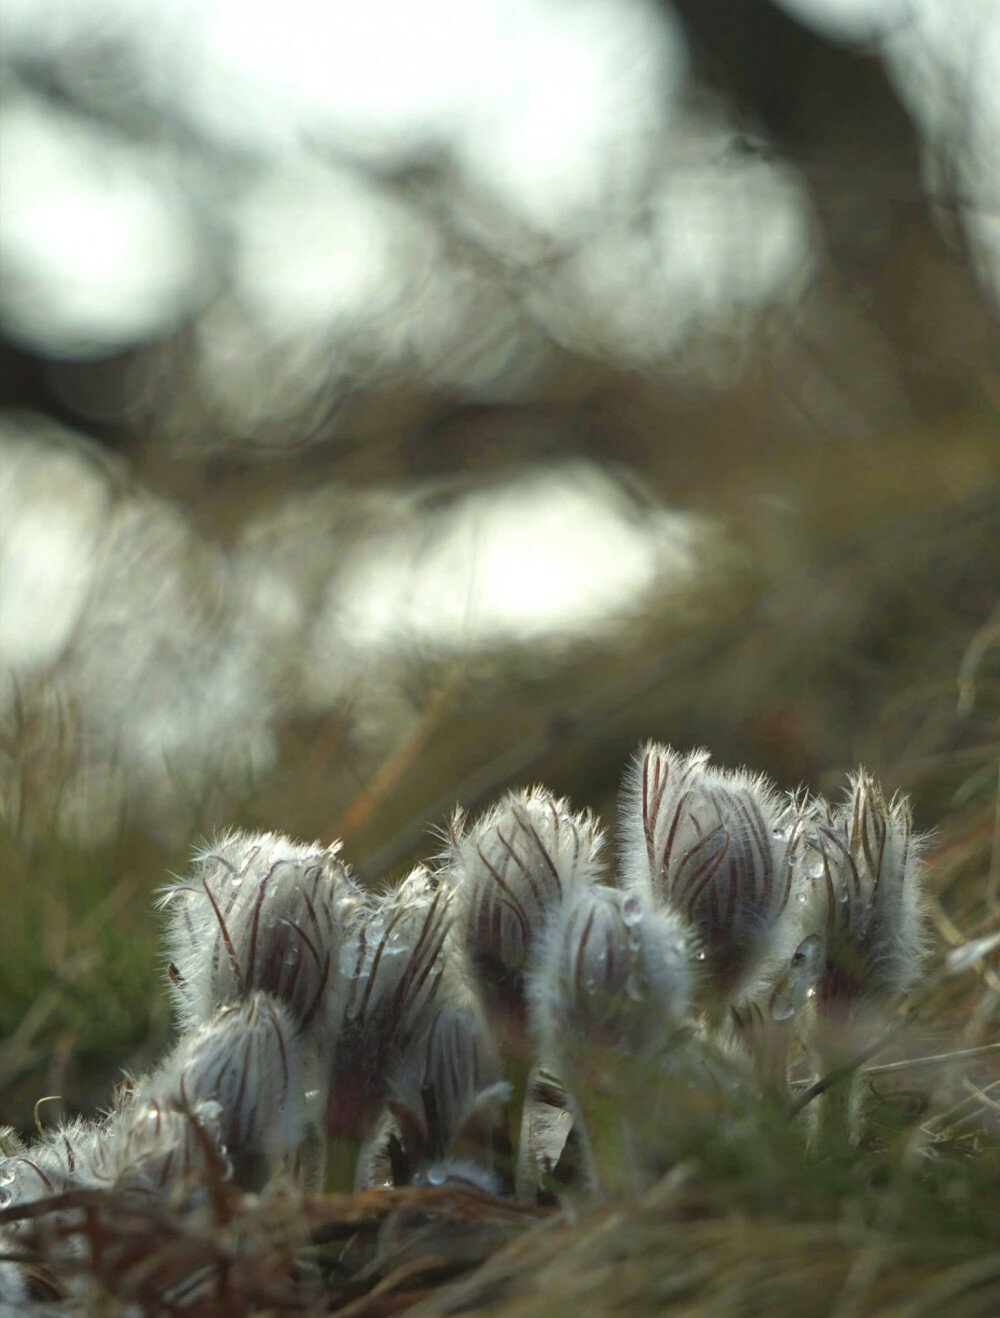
(258, 911)
(718, 847)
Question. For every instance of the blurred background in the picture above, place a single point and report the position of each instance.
(405, 401)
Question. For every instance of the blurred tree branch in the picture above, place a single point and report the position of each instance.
(831, 111)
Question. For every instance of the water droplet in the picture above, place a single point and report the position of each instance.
(700, 956)
(436, 1176)
(349, 954)
(782, 1007)
(631, 909)
(842, 895)
(805, 960)
(800, 897)
(236, 880)
(590, 984)
(814, 865)
(291, 956)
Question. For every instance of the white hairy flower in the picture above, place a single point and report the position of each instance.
(614, 973)
(248, 1060)
(64, 1158)
(163, 1152)
(512, 869)
(257, 912)
(390, 972)
(718, 847)
(865, 870)
(447, 1095)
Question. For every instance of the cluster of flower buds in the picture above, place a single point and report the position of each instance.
(384, 1024)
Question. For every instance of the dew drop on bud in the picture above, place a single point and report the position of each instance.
(782, 1007)
(631, 909)
(814, 865)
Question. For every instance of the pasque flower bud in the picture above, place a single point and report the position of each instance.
(391, 967)
(512, 869)
(445, 1103)
(614, 973)
(862, 866)
(247, 1060)
(866, 870)
(62, 1159)
(718, 847)
(258, 911)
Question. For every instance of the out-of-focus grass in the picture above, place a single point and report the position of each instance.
(81, 982)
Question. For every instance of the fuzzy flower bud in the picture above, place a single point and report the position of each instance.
(160, 1152)
(447, 1096)
(64, 1158)
(614, 973)
(247, 1059)
(513, 868)
(866, 868)
(257, 912)
(391, 968)
(718, 847)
